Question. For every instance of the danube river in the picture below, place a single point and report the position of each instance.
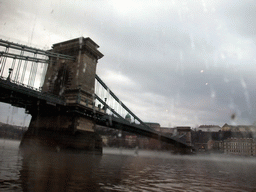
(122, 170)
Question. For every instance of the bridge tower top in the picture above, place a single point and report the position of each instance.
(72, 47)
(73, 78)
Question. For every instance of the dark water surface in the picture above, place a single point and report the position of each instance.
(122, 170)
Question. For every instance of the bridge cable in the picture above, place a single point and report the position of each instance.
(33, 50)
(34, 73)
(18, 67)
(31, 71)
(116, 98)
(24, 71)
(3, 61)
(12, 67)
(112, 110)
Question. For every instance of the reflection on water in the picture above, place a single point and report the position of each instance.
(58, 172)
(122, 170)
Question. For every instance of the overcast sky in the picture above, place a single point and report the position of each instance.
(178, 63)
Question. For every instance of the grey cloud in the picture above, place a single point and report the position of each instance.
(162, 49)
(240, 16)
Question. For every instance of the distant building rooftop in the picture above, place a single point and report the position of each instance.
(209, 128)
(152, 124)
(239, 128)
(183, 128)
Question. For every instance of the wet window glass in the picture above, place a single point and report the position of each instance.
(127, 95)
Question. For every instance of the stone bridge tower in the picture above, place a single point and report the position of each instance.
(70, 78)
(72, 125)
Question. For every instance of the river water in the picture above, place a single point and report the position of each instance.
(122, 170)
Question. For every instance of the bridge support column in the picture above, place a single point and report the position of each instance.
(70, 126)
(62, 132)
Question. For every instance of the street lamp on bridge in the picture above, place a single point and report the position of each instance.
(9, 76)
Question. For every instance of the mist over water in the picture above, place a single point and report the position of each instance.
(122, 170)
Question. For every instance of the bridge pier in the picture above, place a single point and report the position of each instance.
(52, 129)
(69, 126)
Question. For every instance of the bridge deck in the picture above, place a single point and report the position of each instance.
(117, 123)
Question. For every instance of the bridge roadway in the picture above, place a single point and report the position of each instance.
(29, 98)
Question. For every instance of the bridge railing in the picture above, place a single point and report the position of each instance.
(22, 65)
(113, 104)
(25, 65)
